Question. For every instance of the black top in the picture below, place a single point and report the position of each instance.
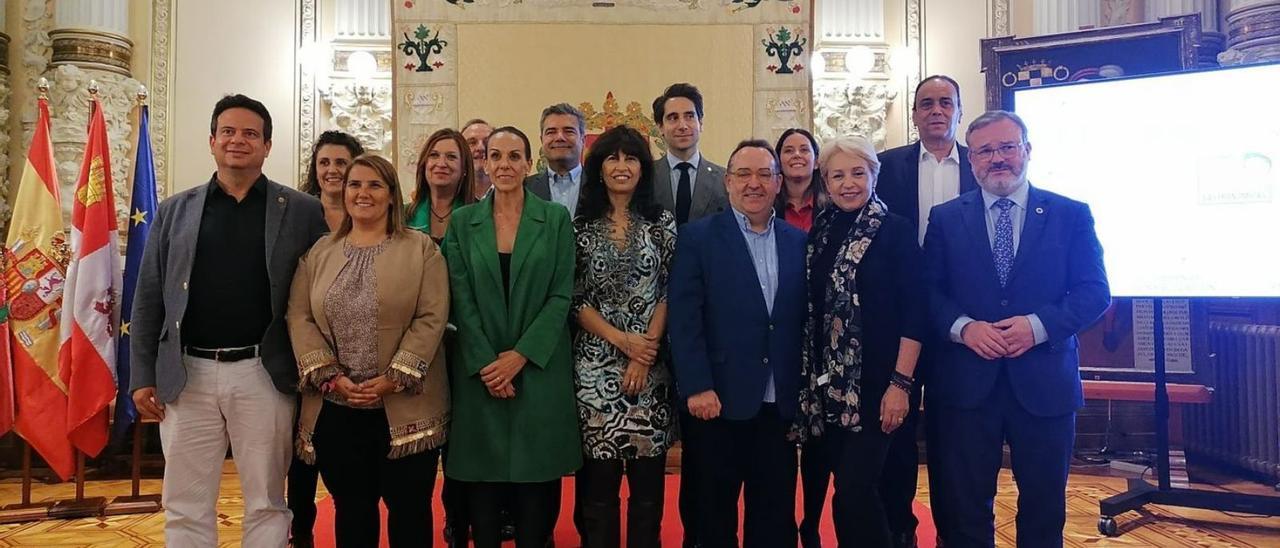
(504, 262)
(891, 291)
(230, 294)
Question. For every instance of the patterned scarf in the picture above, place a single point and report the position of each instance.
(831, 368)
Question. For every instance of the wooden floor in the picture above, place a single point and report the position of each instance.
(1156, 527)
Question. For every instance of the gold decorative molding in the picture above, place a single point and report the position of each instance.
(91, 49)
(161, 60)
(4, 54)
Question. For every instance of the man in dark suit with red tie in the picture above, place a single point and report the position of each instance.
(1015, 273)
(913, 179)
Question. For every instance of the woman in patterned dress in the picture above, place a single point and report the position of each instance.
(625, 242)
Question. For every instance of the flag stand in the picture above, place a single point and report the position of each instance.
(80, 506)
(136, 502)
(25, 510)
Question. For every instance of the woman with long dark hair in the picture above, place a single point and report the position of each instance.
(331, 156)
(801, 195)
(515, 427)
(625, 243)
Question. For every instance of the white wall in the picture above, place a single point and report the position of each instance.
(232, 46)
(952, 29)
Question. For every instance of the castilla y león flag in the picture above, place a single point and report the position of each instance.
(35, 259)
(90, 313)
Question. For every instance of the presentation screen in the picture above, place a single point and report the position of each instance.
(1181, 172)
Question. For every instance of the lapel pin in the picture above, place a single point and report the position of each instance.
(1039, 210)
(281, 200)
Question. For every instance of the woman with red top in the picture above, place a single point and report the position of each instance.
(802, 194)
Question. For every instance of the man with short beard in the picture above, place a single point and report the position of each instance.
(476, 132)
(1015, 273)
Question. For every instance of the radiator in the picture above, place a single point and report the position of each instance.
(1241, 427)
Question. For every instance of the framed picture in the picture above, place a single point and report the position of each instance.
(1168, 45)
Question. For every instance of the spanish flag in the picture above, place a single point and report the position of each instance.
(91, 311)
(36, 255)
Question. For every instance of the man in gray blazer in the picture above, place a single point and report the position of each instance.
(689, 186)
(684, 182)
(563, 130)
(211, 356)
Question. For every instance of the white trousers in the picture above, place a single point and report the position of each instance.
(226, 402)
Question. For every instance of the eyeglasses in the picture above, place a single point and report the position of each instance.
(762, 175)
(1006, 151)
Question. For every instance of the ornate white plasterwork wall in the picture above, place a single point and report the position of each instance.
(159, 100)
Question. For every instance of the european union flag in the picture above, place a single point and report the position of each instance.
(142, 211)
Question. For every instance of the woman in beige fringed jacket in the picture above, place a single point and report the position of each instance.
(366, 315)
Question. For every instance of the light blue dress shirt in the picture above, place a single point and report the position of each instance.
(564, 188)
(1017, 214)
(763, 248)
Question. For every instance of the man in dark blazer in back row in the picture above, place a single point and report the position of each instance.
(1015, 273)
(913, 179)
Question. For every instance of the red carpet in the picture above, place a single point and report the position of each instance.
(567, 537)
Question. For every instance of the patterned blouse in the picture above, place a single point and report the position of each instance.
(625, 284)
(351, 305)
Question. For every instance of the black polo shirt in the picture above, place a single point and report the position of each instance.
(229, 304)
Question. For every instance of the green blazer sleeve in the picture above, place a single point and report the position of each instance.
(539, 341)
(474, 349)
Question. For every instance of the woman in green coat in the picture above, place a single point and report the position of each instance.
(515, 425)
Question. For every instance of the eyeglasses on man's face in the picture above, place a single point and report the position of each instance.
(1005, 150)
(761, 175)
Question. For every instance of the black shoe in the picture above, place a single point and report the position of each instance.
(301, 542)
(448, 533)
(904, 540)
(508, 530)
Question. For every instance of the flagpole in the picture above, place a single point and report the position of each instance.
(136, 502)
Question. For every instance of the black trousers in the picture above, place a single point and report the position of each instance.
(601, 508)
(351, 452)
(901, 472)
(815, 477)
(301, 490)
(754, 458)
(534, 507)
(690, 501)
(1040, 453)
(453, 495)
(856, 460)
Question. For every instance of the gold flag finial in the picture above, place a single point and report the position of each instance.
(93, 88)
(42, 86)
(142, 95)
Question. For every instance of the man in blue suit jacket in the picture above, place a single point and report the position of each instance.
(914, 178)
(1015, 273)
(737, 304)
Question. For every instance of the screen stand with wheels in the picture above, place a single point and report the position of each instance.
(1141, 493)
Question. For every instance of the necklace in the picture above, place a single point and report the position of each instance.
(441, 218)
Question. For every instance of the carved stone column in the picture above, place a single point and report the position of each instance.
(851, 94)
(357, 95)
(1253, 32)
(1055, 16)
(89, 44)
(1208, 10)
(1121, 12)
